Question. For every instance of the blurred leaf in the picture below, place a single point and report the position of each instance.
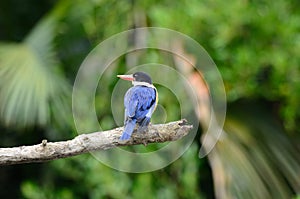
(254, 153)
(31, 87)
(32, 191)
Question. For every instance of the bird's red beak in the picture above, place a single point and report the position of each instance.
(126, 77)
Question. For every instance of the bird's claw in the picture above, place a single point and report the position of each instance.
(143, 129)
(145, 122)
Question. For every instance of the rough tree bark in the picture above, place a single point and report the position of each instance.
(84, 143)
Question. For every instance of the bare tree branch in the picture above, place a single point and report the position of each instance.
(91, 142)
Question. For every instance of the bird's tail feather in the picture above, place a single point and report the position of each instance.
(128, 129)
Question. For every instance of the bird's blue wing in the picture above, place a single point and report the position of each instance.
(138, 101)
(130, 103)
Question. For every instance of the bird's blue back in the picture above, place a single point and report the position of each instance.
(138, 101)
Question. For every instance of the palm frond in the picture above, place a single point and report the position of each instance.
(31, 86)
(255, 158)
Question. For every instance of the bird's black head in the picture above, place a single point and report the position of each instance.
(142, 77)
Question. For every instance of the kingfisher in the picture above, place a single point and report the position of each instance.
(140, 101)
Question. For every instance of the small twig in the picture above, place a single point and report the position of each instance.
(91, 142)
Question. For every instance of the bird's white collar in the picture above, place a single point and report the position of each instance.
(135, 83)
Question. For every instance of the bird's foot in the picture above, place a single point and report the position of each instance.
(145, 121)
(143, 125)
(143, 129)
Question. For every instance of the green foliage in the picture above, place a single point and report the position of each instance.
(297, 197)
(34, 191)
(257, 42)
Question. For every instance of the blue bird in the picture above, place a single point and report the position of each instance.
(140, 102)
